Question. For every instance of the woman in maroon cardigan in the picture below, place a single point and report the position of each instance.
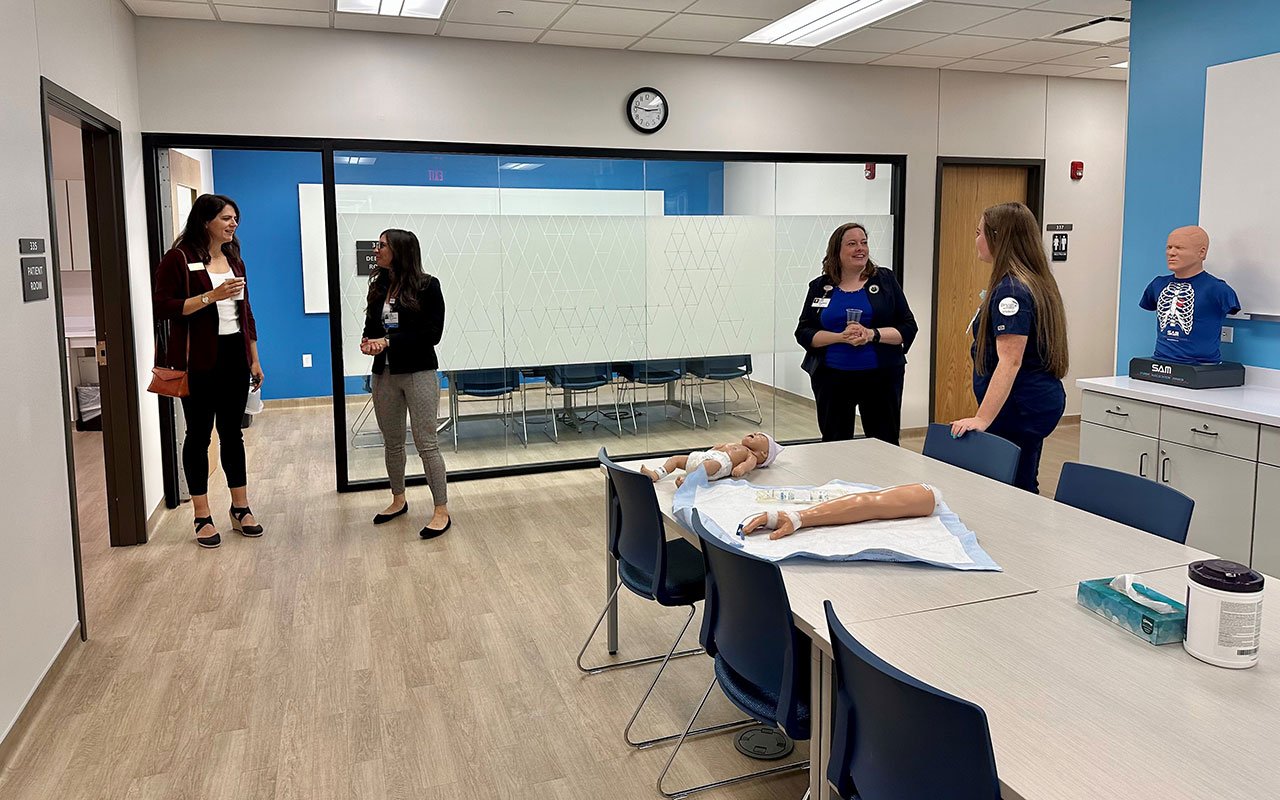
(200, 290)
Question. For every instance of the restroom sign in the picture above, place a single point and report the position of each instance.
(1060, 247)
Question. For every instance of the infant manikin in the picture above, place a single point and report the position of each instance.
(729, 459)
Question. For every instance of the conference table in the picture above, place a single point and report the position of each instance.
(1078, 707)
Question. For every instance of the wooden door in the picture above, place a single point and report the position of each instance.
(967, 190)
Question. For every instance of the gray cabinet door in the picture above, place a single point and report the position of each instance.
(1107, 447)
(1266, 521)
(1223, 488)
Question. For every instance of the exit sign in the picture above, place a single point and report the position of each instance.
(435, 175)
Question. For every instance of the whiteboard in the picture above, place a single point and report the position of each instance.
(1240, 177)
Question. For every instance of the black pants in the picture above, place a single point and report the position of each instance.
(875, 393)
(1028, 428)
(217, 395)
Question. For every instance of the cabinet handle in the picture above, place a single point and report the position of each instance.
(1142, 465)
(1164, 470)
(1204, 433)
(1116, 413)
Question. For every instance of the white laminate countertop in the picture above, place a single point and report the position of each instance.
(1258, 400)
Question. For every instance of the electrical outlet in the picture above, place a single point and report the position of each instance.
(1228, 334)
(306, 358)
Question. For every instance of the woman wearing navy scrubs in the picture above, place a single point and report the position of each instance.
(1019, 340)
(856, 365)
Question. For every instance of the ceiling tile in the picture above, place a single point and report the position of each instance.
(1028, 24)
(758, 9)
(296, 5)
(575, 39)
(644, 5)
(840, 56)
(274, 16)
(980, 65)
(375, 22)
(1109, 74)
(959, 46)
(1004, 3)
(706, 28)
(879, 40)
(1097, 8)
(687, 46)
(525, 13)
(1037, 51)
(749, 50)
(498, 33)
(1056, 70)
(1091, 58)
(900, 60)
(943, 17)
(617, 21)
(163, 8)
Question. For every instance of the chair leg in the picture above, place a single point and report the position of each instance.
(759, 419)
(798, 765)
(457, 415)
(626, 732)
(635, 662)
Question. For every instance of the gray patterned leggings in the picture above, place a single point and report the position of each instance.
(418, 393)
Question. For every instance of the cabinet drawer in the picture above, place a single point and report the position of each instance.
(1120, 413)
(1119, 450)
(1269, 446)
(1230, 437)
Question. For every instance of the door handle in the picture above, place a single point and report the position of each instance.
(1116, 413)
(1142, 465)
(1164, 470)
(1205, 432)
(102, 352)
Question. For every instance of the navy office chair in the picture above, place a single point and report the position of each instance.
(656, 372)
(576, 379)
(1127, 499)
(724, 369)
(976, 451)
(488, 384)
(896, 738)
(761, 659)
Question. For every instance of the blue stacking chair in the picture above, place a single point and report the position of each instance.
(488, 384)
(724, 369)
(761, 658)
(656, 372)
(1127, 499)
(896, 738)
(669, 572)
(976, 451)
(583, 379)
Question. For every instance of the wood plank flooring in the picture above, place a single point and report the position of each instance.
(333, 659)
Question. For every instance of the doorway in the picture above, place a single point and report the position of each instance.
(89, 269)
(966, 187)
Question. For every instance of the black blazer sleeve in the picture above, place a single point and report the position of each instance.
(906, 321)
(809, 324)
(373, 315)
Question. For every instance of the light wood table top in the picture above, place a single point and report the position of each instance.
(1080, 708)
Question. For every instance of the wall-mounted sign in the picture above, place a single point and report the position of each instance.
(366, 257)
(1060, 247)
(1060, 227)
(35, 279)
(31, 247)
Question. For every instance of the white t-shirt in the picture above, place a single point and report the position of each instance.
(228, 311)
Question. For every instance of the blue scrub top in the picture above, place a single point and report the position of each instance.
(1013, 312)
(845, 356)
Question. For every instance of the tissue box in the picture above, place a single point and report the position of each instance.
(1156, 628)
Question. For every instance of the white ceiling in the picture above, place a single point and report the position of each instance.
(985, 35)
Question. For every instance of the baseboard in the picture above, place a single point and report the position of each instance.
(298, 402)
(12, 738)
(154, 520)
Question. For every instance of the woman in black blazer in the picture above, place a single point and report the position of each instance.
(404, 320)
(856, 364)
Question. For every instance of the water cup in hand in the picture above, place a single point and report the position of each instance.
(852, 316)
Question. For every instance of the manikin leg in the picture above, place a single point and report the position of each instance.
(898, 502)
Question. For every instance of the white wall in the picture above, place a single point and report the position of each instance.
(426, 88)
(87, 47)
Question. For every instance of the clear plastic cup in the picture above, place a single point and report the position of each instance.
(852, 316)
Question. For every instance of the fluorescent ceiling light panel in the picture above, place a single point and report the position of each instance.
(1100, 31)
(519, 165)
(824, 20)
(390, 8)
(359, 6)
(424, 9)
(419, 9)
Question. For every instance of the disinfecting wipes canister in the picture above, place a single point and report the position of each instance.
(1224, 613)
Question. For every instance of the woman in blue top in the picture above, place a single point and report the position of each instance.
(856, 365)
(1019, 340)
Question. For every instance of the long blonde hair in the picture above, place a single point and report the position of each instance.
(1013, 237)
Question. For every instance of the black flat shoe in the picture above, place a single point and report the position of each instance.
(378, 519)
(237, 523)
(431, 533)
(208, 542)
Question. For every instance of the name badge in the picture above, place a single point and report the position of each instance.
(391, 320)
(196, 267)
(821, 302)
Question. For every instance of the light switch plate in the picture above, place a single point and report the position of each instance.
(1228, 334)
(306, 358)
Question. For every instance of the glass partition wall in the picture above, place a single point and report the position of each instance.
(642, 304)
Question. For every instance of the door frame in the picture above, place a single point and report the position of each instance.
(1035, 202)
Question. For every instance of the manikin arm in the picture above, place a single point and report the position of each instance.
(745, 466)
(898, 502)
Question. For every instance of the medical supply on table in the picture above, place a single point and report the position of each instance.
(1224, 613)
(1133, 606)
(800, 496)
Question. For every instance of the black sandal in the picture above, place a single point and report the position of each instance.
(237, 523)
(209, 542)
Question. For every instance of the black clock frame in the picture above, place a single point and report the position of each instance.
(665, 104)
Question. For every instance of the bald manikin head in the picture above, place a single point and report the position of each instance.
(1186, 249)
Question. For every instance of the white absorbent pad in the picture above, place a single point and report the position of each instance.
(940, 539)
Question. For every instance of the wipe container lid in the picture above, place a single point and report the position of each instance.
(1225, 576)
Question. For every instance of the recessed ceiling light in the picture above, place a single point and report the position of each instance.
(505, 13)
(824, 20)
(521, 166)
(1104, 30)
(425, 9)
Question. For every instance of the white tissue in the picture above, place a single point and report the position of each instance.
(1126, 585)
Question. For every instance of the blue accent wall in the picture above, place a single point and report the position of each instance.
(1172, 43)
